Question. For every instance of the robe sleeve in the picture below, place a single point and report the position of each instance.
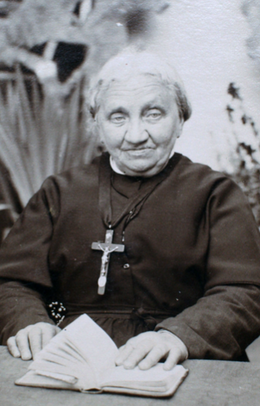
(20, 306)
(221, 324)
(25, 281)
(227, 318)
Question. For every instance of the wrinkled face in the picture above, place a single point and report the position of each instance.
(139, 122)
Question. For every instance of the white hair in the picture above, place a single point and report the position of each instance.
(126, 65)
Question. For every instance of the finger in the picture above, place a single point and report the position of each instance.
(137, 355)
(124, 353)
(35, 340)
(174, 357)
(153, 357)
(22, 343)
(48, 333)
(12, 347)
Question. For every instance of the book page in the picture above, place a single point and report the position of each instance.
(60, 357)
(155, 379)
(82, 350)
(93, 343)
(32, 378)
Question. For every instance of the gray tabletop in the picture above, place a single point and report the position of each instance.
(217, 383)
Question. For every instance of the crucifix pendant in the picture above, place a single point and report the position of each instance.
(107, 247)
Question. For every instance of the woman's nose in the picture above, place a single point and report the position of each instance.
(136, 132)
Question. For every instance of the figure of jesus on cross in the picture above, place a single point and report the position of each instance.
(107, 247)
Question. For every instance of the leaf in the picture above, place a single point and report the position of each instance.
(38, 136)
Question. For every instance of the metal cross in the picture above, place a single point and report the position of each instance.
(107, 247)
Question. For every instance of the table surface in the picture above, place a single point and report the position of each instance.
(209, 383)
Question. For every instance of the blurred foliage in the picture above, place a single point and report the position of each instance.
(37, 21)
(37, 139)
(247, 175)
(100, 25)
(245, 156)
(63, 41)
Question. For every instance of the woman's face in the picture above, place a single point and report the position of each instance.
(139, 122)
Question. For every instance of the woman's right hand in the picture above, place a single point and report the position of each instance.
(31, 339)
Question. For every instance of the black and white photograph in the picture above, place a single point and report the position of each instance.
(129, 202)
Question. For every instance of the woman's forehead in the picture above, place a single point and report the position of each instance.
(137, 88)
(134, 79)
(139, 97)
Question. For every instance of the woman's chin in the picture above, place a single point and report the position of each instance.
(140, 168)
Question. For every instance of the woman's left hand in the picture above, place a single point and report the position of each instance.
(147, 349)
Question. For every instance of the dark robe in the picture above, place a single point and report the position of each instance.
(191, 263)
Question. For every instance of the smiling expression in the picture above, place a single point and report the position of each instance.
(138, 121)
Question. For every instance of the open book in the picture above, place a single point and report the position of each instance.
(82, 357)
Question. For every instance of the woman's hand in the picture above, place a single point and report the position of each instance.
(147, 349)
(30, 340)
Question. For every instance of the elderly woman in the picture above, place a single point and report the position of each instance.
(162, 253)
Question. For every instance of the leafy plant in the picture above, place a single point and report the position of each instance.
(244, 154)
(101, 26)
(38, 138)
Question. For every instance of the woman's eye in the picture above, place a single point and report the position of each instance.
(117, 118)
(154, 114)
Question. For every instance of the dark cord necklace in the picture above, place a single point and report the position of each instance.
(131, 210)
